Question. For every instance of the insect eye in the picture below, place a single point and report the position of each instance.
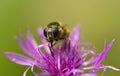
(45, 32)
(55, 31)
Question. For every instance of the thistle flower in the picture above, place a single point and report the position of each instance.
(69, 59)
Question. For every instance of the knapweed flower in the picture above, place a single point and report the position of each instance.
(68, 59)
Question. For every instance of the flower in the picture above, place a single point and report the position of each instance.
(69, 59)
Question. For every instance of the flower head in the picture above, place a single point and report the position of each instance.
(69, 59)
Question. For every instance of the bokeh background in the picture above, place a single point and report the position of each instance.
(99, 20)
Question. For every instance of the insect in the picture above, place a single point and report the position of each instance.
(55, 31)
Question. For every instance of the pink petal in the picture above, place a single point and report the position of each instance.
(102, 55)
(32, 40)
(74, 36)
(88, 75)
(23, 46)
(25, 72)
(41, 35)
(19, 59)
(29, 45)
(43, 40)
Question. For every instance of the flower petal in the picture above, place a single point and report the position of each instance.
(25, 72)
(41, 35)
(102, 55)
(88, 75)
(43, 40)
(74, 36)
(31, 39)
(32, 45)
(111, 67)
(28, 45)
(19, 59)
(23, 46)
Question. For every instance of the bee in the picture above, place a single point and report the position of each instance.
(55, 31)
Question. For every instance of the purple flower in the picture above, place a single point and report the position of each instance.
(69, 59)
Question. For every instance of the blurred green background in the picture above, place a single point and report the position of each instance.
(99, 20)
